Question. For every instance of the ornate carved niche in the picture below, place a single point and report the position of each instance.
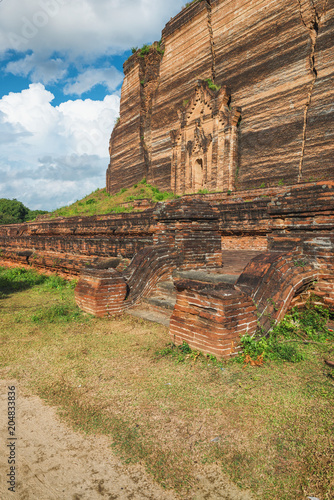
(204, 147)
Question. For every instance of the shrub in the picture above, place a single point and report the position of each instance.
(145, 50)
(183, 352)
(212, 86)
(19, 279)
(55, 282)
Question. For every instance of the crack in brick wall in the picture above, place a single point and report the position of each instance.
(212, 43)
(311, 20)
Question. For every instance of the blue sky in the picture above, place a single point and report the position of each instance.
(61, 74)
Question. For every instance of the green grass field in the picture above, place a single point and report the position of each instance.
(268, 428)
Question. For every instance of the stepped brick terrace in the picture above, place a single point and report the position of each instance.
(212, 266)
(233, 111)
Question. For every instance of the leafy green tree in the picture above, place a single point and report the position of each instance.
(14, 212)
(32, 214)
(7, 219)
(14, 209)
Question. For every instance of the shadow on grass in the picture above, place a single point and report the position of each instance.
(18, 279)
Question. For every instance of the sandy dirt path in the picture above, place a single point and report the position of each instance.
(53, 462)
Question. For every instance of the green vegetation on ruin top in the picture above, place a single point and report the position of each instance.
(100, 202)
(147, 48)
(190, 3)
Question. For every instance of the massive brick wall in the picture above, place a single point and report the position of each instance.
(126, 154)
(276, 59)
(69, 244)
(320, 114)
(186, 60)
(199, 226)
(130, 142)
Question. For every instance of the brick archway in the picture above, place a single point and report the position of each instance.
(274, 280)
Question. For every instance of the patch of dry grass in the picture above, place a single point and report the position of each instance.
(269, 429)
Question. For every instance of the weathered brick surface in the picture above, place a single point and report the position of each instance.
(211, 318)
(294, 226)
(130, 143)
(276, 60)
(298, 224)
(101, 292)
(107, 292)
(75, 242)
(274, 281)
(192, 227)
(198, 226)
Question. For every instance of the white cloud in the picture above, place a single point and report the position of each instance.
(82, 28)
(51, 155)
(110, 77)
(9, 133)
(39, 69)
(31, 110)
(55, 154)
(47, 71)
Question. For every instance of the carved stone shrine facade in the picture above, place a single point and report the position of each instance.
(205, 146)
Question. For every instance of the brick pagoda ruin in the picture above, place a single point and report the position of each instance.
(233, 111)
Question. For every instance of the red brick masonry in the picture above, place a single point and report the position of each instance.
(294, 224)
(212, 318)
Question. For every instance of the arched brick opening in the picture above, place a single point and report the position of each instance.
(277, 282)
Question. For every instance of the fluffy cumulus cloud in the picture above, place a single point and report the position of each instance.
(78, 30)
(109, 77)
(53, 155)
(38, 68)
(82, 26)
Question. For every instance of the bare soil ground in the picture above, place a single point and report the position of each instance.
(55, 463)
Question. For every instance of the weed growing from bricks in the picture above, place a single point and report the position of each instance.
(285, 339)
